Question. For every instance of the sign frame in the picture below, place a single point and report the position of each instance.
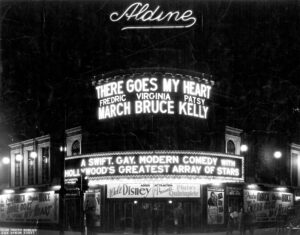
(162, 176)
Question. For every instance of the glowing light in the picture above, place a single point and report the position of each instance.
(244, 148)
(217, 183)
(135, 202)
(7, 191)
(6, 160)
(30, 189)
(63, 149)
(252, 186)
(33, 154)
(277, 154)
(170, 201)
(281, 189)
(56, 187)
(19, 158)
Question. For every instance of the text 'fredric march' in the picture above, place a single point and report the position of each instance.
(150, 95)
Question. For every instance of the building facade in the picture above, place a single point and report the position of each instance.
(159, 148)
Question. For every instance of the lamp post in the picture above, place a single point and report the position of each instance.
(63, 150)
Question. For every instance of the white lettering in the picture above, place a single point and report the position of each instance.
(140, 12)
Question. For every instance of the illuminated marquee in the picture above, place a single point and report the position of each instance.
(162, 94)
(141, 16)
(156, 164)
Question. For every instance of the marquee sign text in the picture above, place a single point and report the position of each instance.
(153, 95)
(153, 190)
(221, 165)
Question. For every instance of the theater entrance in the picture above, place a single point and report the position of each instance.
(135, 215)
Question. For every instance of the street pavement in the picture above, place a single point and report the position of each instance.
(265, 231)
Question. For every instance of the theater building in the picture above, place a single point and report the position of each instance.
(156, 141)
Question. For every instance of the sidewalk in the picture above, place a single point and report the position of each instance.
(4, 231)
(265, 231)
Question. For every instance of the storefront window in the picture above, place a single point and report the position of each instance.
(17, 173)
(45, 165)
(30, 169)
(294, 169)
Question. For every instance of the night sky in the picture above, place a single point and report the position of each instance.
(51, 50)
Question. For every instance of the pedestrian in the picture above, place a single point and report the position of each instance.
(241, 221)
(145, 218)
(89, 213)
(155, 219)
(249, 220)
(230, 222)
(178, 218)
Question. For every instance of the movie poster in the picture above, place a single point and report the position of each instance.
(37, 207)
(215, 206)
(267, 205)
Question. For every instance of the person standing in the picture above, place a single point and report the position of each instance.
(178, 218)
(230, 222)
(249, 220)
(155, 219)
(145, 218)
(241, 221)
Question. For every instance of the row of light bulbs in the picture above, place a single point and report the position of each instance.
(277, 154)
(19, 158)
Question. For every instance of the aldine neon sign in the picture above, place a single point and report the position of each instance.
(141, 17)
(153, 94)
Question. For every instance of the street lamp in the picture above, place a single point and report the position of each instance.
(244, 148)
(33, 155)
(19, 157)
(6, 160)
(277, 154)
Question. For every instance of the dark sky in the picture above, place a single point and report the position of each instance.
(51, 49)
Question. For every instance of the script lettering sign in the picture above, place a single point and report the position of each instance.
(142, 16)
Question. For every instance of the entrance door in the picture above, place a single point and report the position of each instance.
(235, 203)
(127, 215)
(73, 212)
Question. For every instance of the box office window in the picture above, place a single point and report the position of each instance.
(45, 164)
